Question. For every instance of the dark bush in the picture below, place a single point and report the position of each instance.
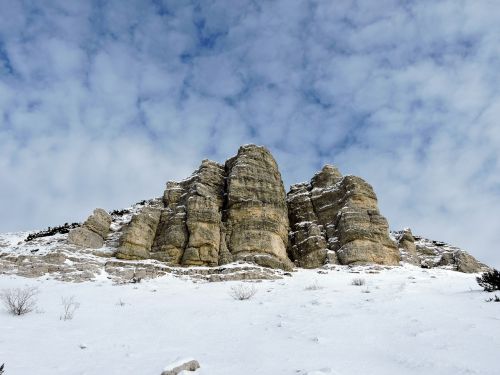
(62, 229)
(119, 212)
(496, 299)
(490, 281)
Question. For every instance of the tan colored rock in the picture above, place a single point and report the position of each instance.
(467, 263)
(99, 222)
(172, 235)
(204, 214)
(84, 237)
(340, 214)
(190, 228)
(137, 239)
(257, 219)
(407, 247)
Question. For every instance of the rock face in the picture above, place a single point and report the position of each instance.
(429, 254)
(93, 231)
(336, 218)
(407, 247)
(138, 237)
(85, 238)
(239, 211)
(256, 210)
(222, 213)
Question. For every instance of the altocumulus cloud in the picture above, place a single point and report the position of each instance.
(102, 101)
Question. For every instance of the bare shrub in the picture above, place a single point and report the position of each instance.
(121, 303)
(69, 307)
(313, 286)
(242, 292)
(358, 281)
(19, 301)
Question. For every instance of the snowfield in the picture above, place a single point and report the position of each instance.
(404, 320)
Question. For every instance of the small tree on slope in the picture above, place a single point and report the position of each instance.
(490, 281)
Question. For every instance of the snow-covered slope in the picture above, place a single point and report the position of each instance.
(404, 320)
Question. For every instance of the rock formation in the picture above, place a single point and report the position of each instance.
(255, 210)
(336, 218)
(429, 254)
(137, 239)
(239, 211)
(93, 231)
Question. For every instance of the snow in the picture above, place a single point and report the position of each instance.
(404, 320)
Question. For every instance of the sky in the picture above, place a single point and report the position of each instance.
(102, 102)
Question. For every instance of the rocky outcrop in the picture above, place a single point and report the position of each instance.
(93, 231)
(190, 226)
(85, 238)
(239, 211)
(407, 247)
(429, 254)
(138, 237)
(256, 211)
(338, 214)
(223, 213)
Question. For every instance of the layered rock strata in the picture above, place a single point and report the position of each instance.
(336, 219)
(255, 215)
(93, 231)
(138, 237)
(222, 213)
(240, 211)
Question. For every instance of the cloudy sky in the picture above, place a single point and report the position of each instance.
(102, 102)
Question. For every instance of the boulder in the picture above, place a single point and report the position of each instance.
(93, 231)
(84, 237)
(99, 222)
(177, 368)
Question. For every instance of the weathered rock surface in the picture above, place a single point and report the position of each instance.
(256, 210)
(190, 226)
(99, 222)
(224, 213)
(85, 238)
(137, 239)
(340, 214)
(93, 231)
(429, 254)
(239, 211)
